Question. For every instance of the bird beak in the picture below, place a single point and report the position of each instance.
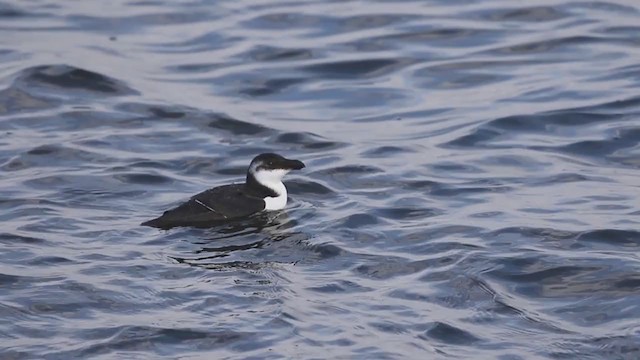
(294, 164)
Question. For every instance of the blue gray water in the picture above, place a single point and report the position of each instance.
(472, 185)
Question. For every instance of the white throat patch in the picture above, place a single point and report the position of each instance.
(273, 180)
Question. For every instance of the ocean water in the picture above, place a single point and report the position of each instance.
(472, 187)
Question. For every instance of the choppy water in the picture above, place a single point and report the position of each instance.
(471, 189)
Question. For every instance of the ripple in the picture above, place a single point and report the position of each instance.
(526, 14)
(358, 68)
(549, 45)
(309, 187)
(450, 334)
(137, 338)
(7, 279)
(626, 138)
(308, 141)
(143, 179)
(359, 220)
(270, 87)
(237, 127)
(615, 237)
(387, 268)
(13, 239)
(399, 213)
(271, 53)
(72, 78)
(385, 151)
(340, 287)
(17, 100)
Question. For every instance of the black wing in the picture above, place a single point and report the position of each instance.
(213, 206)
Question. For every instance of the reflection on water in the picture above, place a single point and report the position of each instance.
(250, 244)
(471, 185)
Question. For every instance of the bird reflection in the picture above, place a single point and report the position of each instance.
(255, 241)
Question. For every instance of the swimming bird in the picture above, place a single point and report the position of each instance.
(262, 190)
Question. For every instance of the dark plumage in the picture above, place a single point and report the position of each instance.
(231, 202)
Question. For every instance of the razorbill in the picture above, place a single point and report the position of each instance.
(262, 190)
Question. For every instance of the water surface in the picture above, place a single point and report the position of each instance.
(471, 189)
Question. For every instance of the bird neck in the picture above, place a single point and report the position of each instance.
(265, 187)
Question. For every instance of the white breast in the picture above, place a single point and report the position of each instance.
(276, 202)
(273, 180)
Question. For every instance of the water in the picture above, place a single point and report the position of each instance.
(471, 189)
